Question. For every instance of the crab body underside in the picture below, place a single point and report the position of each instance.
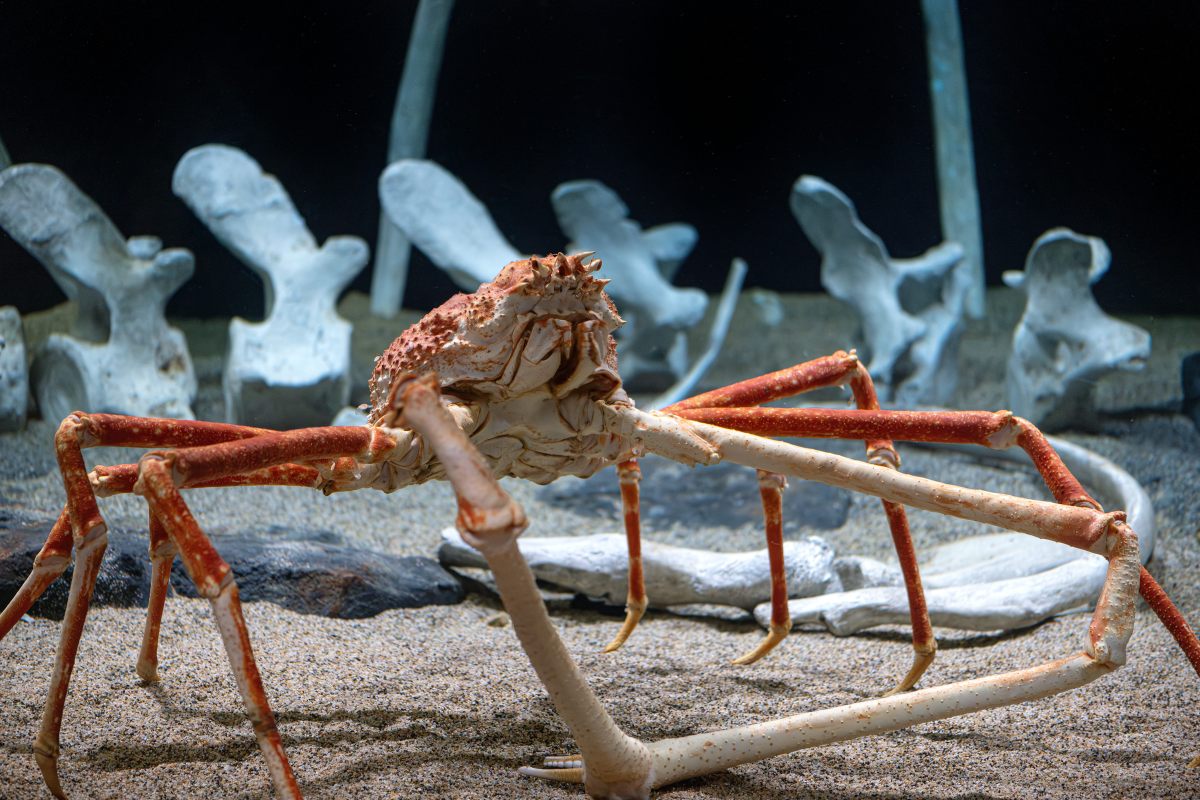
(520, 378)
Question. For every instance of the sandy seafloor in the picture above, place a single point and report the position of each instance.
(440, 702)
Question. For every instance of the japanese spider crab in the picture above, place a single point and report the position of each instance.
(520, 378)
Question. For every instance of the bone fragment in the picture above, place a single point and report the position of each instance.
(597, 566)
(1064, 342)
(453, 228)
(658, 315)
(14, 372)
(670, 244)
(910, 310)
(410, 132)
(976, 604)
(639, 262)
(440, 216)
(121, 356)
(716, 338)
(293, 369)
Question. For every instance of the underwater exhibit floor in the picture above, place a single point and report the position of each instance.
(441, 701)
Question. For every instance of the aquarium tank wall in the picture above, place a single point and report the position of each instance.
(692, 115)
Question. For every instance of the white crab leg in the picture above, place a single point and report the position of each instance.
(617, 765)
(1112, 625)
(689, 756)
(698, 443)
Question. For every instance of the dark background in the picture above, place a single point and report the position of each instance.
(1082, 113)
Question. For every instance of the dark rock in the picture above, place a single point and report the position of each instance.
(311, 573)
(124, 578)
(725, 495)
(321, 575)
(1189, 372)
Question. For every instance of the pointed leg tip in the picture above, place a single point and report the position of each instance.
(923, 656)
(633, 615)
(562, 775)
(49, 766)
(747, 658)
(775, 635)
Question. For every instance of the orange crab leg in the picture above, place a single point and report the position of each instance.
(49, 563)
(833, 370)
(214, 580)
(90, 430)
(218, 451)
(120, 478)
(635, 602)
(770, 488)
(55, 554)
(198, 465)
(997, 429)
(991, 429)
(1173, 621)
(162, 555)
(89, 539)
(163, 550)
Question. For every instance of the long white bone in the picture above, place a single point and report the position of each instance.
(598, 565)
(409, 135)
